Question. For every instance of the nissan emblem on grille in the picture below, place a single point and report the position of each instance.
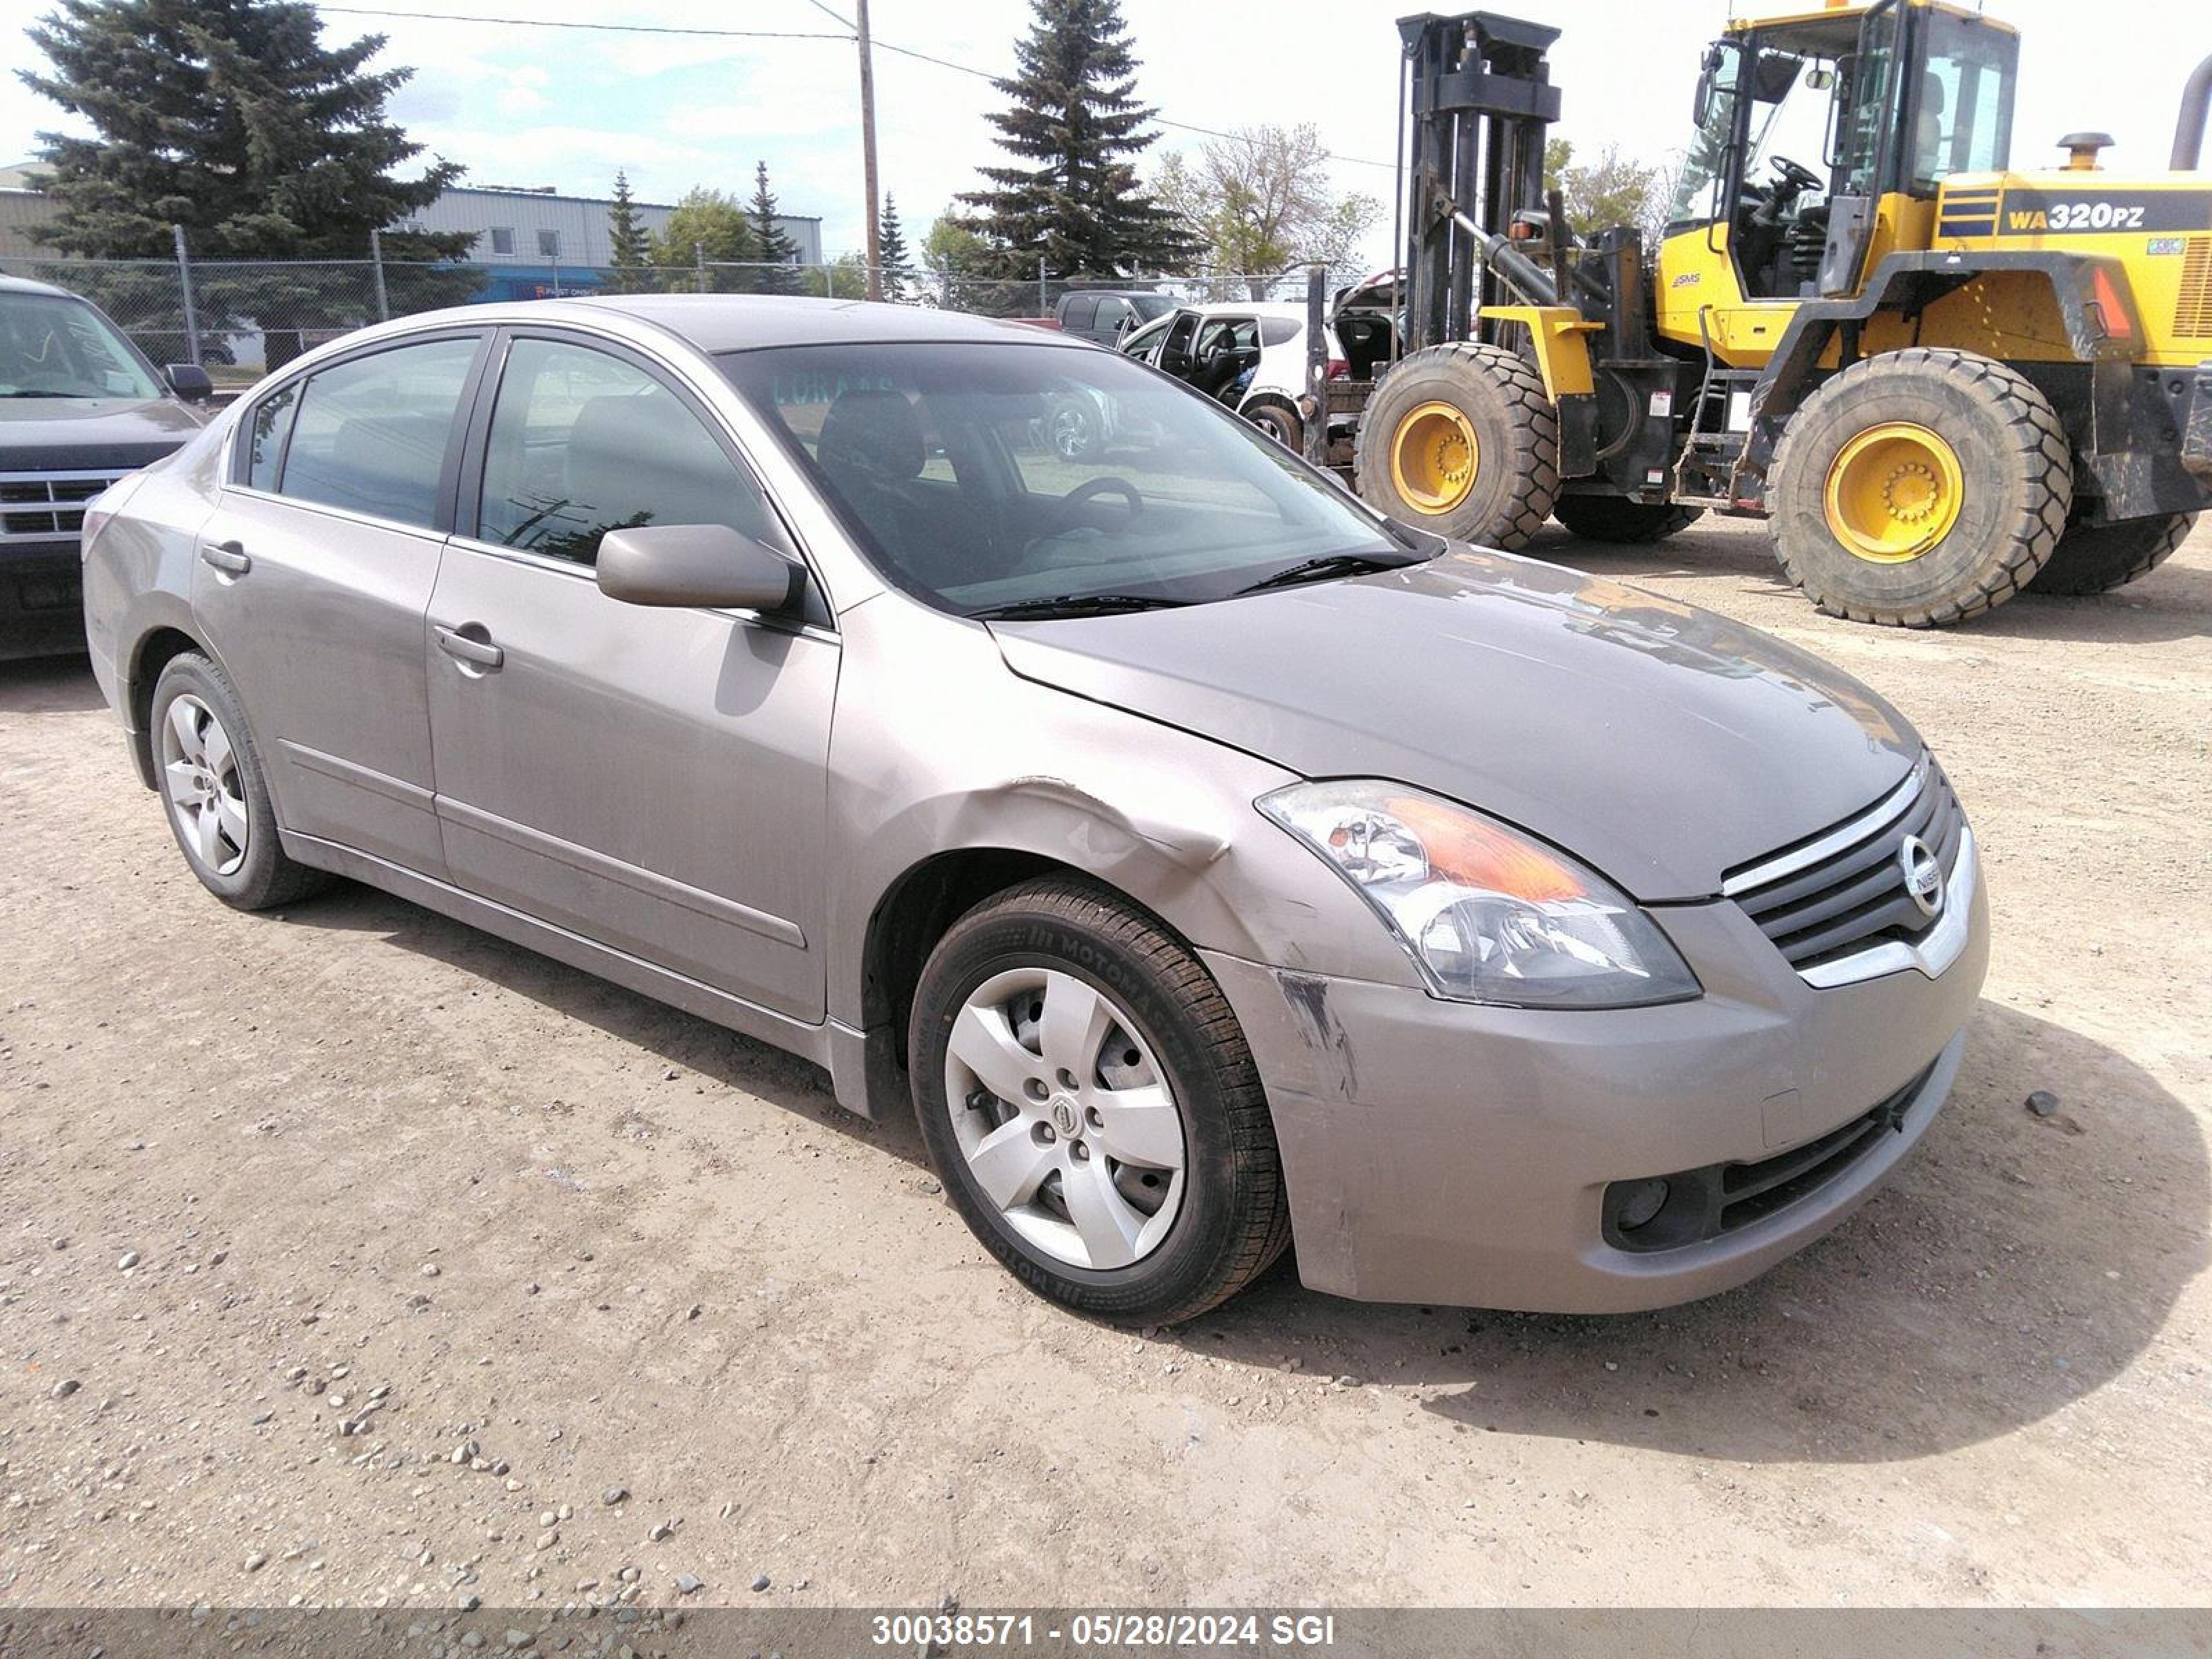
(1924, 874)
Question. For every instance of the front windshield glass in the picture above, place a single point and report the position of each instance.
(980, 475)
(54, 346)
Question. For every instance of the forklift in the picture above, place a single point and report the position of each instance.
(1941, 381)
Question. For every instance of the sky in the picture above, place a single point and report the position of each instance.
(526, 106)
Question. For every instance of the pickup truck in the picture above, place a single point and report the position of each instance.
(80, 406)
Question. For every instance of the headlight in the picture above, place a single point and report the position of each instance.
(1488, 914)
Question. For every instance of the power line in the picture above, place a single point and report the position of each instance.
(852, 33)
(604, 28)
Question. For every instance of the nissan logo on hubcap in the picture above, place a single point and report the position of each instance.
(1065, 1118)
(1923, 875)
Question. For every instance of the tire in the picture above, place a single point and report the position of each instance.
(204, 753)
(1280, 422)
(1515, 476)
(1215, 1224)
(2098, 558)
(1074, 430)
(1616, 519)
(2014, 489)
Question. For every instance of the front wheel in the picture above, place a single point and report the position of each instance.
(1919, 488)
(1088, 1101)
(1461, 439)
(1280, 422)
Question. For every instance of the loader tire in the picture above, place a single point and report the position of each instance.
(1461, 441)
(2098, 558)
(1920, 488)
(1616, 519)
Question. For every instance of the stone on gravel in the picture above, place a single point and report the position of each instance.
(689, 1583)
(614, 1495)
(760, 1583)
(2042, 1103)
(66, 1387)
(129, 1259)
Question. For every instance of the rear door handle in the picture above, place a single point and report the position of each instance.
(454, 642)
(226, 557)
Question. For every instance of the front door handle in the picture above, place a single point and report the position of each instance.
(226, 557)
(458, 642)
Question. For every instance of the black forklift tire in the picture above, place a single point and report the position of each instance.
(2006, 507)
(1414, 460)
(2098, 558)
(1617, 519)
(1279, 421)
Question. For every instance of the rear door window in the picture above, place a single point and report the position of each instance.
(270, 425)
(371, 433)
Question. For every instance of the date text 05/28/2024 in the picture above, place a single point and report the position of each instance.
(1130, 1632)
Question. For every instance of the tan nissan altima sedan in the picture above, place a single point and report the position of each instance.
(1209, 863)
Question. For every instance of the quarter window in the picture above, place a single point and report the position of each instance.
(583, 442)
(272, 424)
(371, 433)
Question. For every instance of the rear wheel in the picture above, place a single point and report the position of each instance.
(1461, 439)
(1920, 488)
(217, 793)
(1091, 1107)
(2097, 558)
(1279, 422)
(1615, 519)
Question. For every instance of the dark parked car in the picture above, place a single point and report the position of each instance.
(80, 406)
(1102, 316)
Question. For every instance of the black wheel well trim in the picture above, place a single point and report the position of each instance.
(155, 650)
(1909, 283)
(914, 913)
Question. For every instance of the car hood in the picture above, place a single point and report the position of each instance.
(1663, 745)
(66, 434)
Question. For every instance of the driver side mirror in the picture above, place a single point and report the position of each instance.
(190, 382)
(709, 565)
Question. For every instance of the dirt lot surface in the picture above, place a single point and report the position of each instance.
(349, 1256)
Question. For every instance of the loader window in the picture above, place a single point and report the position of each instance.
(1962, 117)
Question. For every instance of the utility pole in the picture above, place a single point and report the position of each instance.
(868, 155)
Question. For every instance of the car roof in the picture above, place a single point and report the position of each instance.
(752, 322)
(25, 285)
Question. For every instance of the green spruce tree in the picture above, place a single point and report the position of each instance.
(232, 118)
(895, 272)
(1070, 198)
(630, 247)
(778, 275)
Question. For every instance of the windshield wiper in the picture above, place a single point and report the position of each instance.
(31, 392)
(1335, 564)
(1077, 605)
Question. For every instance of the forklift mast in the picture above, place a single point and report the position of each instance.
(1478, 91)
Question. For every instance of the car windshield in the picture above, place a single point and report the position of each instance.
(985, 476)
(54, 346)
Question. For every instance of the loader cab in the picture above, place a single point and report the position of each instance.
(1820, 135)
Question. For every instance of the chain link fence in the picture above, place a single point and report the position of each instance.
(242, 317)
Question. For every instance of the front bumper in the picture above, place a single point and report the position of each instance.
(1448, 1153)
(42, 602)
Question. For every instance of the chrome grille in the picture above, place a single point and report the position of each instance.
(44, 507)
(1842, 892)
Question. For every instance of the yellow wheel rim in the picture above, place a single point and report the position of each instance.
(1432, 457)
(1894, 492)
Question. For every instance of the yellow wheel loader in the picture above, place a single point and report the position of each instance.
(1942, 381)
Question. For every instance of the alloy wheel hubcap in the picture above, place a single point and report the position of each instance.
(200, 780)
(1065, 1119)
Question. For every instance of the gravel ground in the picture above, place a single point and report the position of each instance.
(349, 1256)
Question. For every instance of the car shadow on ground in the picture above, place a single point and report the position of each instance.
(2016, 1264)
(49, 685)
(2173, 602)
(696, 1045)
